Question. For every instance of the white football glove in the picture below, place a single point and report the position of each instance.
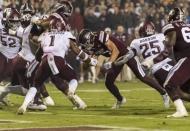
(148, 63)
(93, 61)
(108, 65)
(11, 32)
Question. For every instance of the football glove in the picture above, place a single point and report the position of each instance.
(107, 65)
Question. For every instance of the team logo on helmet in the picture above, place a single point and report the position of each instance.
(176, 14)
(86, 39)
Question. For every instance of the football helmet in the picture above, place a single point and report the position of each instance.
(176, 14)
(12, 18)
(26, 19)
(64, 8)
(57, 24)
(146, 29)
(27, 8)
(26, 11)
(86, 39)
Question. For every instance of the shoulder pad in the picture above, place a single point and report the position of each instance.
(167, 28)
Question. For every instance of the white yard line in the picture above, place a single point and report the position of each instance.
(132, 117)
(99, 90)
(40, 113)
(13, 121)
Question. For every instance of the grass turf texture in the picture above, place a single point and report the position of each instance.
(143, 111)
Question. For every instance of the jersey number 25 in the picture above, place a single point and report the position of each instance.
(150, 48)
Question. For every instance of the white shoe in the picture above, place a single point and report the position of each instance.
(80, 107)
(21, 110)
(166, 100)
(40, 107)
(178, 114)
(118, 104)
(76, 101)
(48, 101)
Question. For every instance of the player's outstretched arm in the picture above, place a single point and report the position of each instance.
(123, 59)
(81, 54)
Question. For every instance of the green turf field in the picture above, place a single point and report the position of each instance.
(143, 111)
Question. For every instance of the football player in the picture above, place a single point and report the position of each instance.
(151, 47)
(100, 43)
(10, 45)
(177, 43)
(61, 11)
(53, 61)
(23, 58)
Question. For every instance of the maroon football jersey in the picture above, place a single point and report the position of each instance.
(100, 47)
(182, 45)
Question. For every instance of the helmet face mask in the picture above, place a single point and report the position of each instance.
(64, 9)
(13, 19)
(56, 25)
(25, 19)
(86, 39)
(146, 29)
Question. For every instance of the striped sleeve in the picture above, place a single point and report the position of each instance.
(134, 46)
(167, 28)
(103, 37)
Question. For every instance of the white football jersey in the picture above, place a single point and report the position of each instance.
(1, 17)
(150, 47)
(9, 45)
(56, 43)
(26, 52)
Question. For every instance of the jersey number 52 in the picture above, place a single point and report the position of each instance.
(8, 41)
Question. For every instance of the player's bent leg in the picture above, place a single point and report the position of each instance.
(136, 67)
(17, 89)
(67, 73)
(75, 99)
(42, 73)
(154, 84)
(28, 98)
(110, 80)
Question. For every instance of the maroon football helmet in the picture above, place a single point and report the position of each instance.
(176, 14)
(146, 29)
(12, 18)
(57, 24)
(64, 8)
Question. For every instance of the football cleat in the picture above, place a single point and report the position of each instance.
(180, 109)
(178, 114)
(76, 101)
(80, 107)
(166, 100)
(48, 101)
(34, 106)
(118, 104)
(21, 110)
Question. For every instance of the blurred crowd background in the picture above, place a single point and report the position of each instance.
(118, 17)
